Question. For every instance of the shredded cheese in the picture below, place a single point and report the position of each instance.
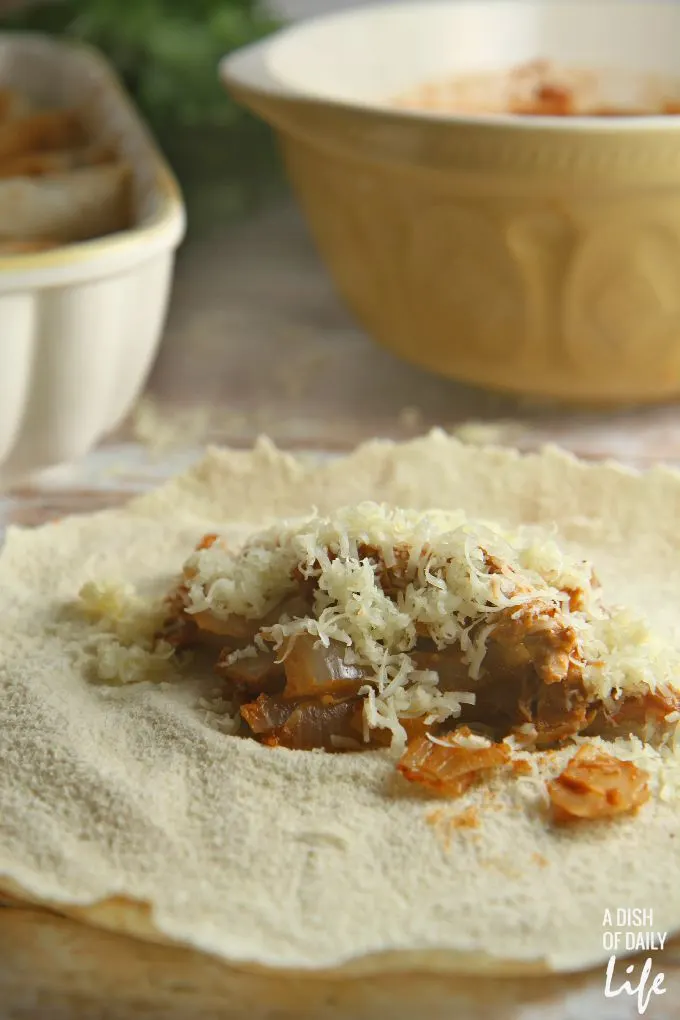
(470, 741)
(125, 649)
(456, 576)
(661, 763)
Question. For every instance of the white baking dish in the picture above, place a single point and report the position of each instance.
(80, 325)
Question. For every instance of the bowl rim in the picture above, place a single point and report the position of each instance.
(246, 70)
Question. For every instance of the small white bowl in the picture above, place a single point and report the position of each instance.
(80, 325)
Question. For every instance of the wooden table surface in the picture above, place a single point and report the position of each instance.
(257, 342)
(52, 969)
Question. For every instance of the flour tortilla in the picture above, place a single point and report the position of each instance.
(126, 808)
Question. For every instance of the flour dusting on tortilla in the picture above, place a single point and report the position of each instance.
(301, 859)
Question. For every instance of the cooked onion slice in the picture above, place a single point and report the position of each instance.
(652, 707)
(448, 769)
(232, 626)
(240, 629)
(313, 669)
(596, 785)
(305, 724)
(256, 673)
(266, 714)
(313, 724)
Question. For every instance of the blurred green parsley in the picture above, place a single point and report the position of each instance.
(167, 51)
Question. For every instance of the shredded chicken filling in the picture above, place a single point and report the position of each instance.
(301, 692)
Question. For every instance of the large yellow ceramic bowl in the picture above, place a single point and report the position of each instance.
(534, 255)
